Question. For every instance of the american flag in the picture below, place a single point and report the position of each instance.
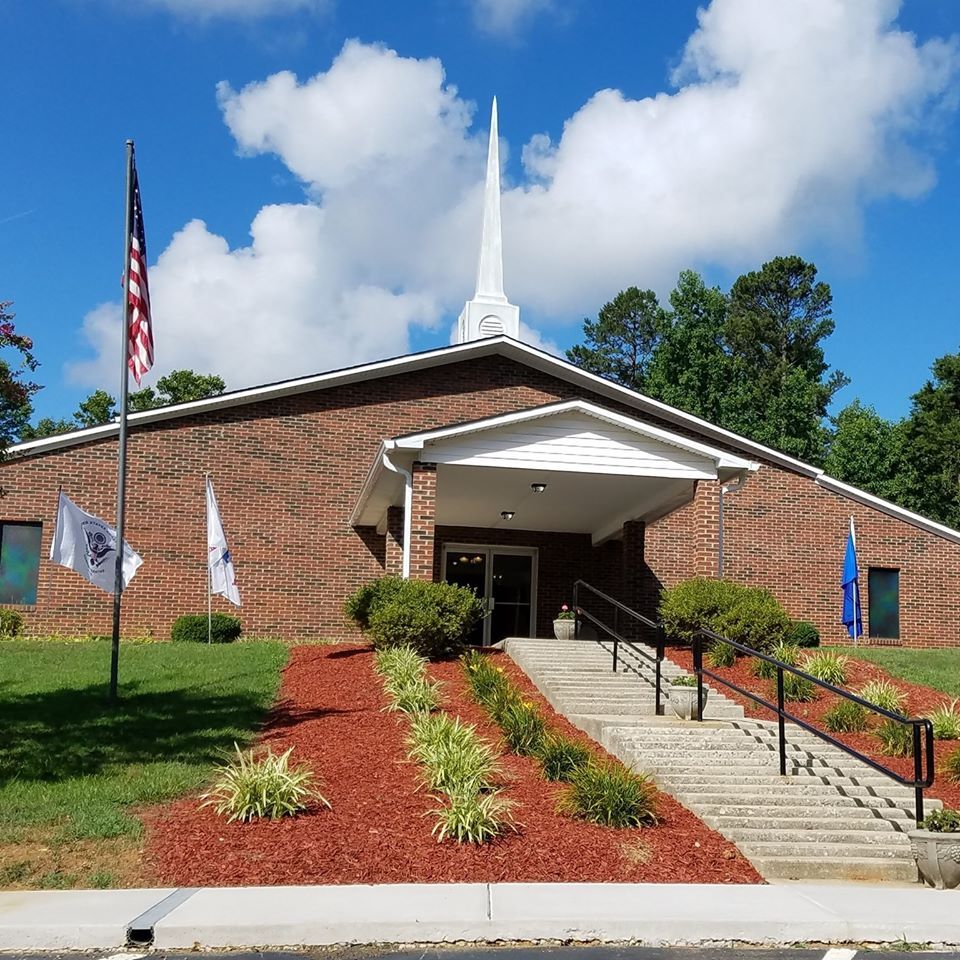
(140, 330)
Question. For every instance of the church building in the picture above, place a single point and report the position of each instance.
(488, 463)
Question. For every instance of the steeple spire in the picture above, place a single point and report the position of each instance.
(489, 313)
(490, 271)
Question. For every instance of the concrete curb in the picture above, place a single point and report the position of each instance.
(653, 914)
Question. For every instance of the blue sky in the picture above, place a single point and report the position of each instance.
(311, 171)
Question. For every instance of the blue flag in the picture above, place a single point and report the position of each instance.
(852, 618)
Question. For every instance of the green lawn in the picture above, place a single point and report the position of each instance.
(939, 669)
(72, 766)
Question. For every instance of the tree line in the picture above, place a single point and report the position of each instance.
(752, 360)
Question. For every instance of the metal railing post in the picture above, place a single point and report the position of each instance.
(780, 725)
(661, 643)
(698, 667)
(576, 610)
(918, 773)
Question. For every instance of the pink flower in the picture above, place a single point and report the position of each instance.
(564, 608)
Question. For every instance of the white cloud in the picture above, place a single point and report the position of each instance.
(505, 17)
(785, 121)
(238, 9)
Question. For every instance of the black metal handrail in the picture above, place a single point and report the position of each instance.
(923, 759)
(581, 615)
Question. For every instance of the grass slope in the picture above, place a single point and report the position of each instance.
(72, 765)
(937, 669)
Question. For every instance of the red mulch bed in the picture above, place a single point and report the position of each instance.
(331, 712)
(920, 700)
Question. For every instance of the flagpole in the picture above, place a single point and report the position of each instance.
(122, 456)
(206, 500)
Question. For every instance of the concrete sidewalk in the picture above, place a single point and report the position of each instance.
(652, 914)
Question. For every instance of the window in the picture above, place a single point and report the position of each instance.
(19, 562)
(884, 592)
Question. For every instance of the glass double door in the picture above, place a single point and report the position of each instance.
(503, 578)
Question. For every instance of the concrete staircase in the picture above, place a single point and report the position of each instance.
(831, 818)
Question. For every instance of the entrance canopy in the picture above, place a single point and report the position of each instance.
(598, 469)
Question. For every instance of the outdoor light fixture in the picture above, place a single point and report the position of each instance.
(506, 514)
(538, 487)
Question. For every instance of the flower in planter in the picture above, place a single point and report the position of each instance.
(565, 614)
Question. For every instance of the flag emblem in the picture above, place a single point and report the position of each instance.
(139, 322)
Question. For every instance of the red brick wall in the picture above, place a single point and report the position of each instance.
(288, 473)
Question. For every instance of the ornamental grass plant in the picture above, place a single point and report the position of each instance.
(946, 721)
(720, 654)
(896, 739)
(472, 817)
(785, 652)
(405, 680)
(560, 757)
(455, 759)
(606, 792)
(846, 717)
(262, 785)
(827, 666)
(883, 694)
(797, 689)
(951, 766)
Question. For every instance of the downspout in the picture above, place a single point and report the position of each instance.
(407, 509)
(724, 489)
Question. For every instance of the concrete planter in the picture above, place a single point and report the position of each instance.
(564, 629)
(684, 699)
(938, 857)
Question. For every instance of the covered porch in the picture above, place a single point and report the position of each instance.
(518, 507)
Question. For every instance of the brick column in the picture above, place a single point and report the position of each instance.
(423, 513)
(706, 528)
(393, 553)
(632, 577)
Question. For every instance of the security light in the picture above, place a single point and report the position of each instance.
(538, 487)
(506, 514)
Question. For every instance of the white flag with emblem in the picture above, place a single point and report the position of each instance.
(223, 578)
(84, 543)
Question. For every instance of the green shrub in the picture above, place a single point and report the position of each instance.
(797, 689)
(785, 652)
(522, 725)
(253, 786)
(560, 757)
(747, 615)
(946, 721)
(473, 817)
(827, 666)
(606, 792)
(951, 766)
(846, 717)
(720, 654)
(803, 634)
(896, 739)
(883, 694)
(942, 821)
(433, 618)
(11, 623)
(192, 628)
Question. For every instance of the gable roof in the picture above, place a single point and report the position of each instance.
(492, 346)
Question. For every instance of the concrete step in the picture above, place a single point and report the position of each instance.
(829, 851)
(785, 814)
(832, 834)
(730, 824)
(863, 870)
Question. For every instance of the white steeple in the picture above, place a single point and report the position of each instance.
(489, 313)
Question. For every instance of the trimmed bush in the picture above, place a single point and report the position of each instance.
(433, 618)
(785, 652)
(747, 615)
(606, 792)
(846, 717)
(946, 721)
(883, 694)
(951, 766)
(803, 634)
(896, 739)
(193, 628)
(11, 623)
(560, 757)
(827, 666)
(720, 654)
(256, 786)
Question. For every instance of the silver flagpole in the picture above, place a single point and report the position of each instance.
(206, 500)
(122, 457)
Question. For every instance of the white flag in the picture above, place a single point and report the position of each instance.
(223, 578)
(84, 543)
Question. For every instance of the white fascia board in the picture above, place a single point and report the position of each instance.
(369, 485)
(890, 509)
(722, 459)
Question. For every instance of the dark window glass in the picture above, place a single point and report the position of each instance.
(19, 562)
(884, 590)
